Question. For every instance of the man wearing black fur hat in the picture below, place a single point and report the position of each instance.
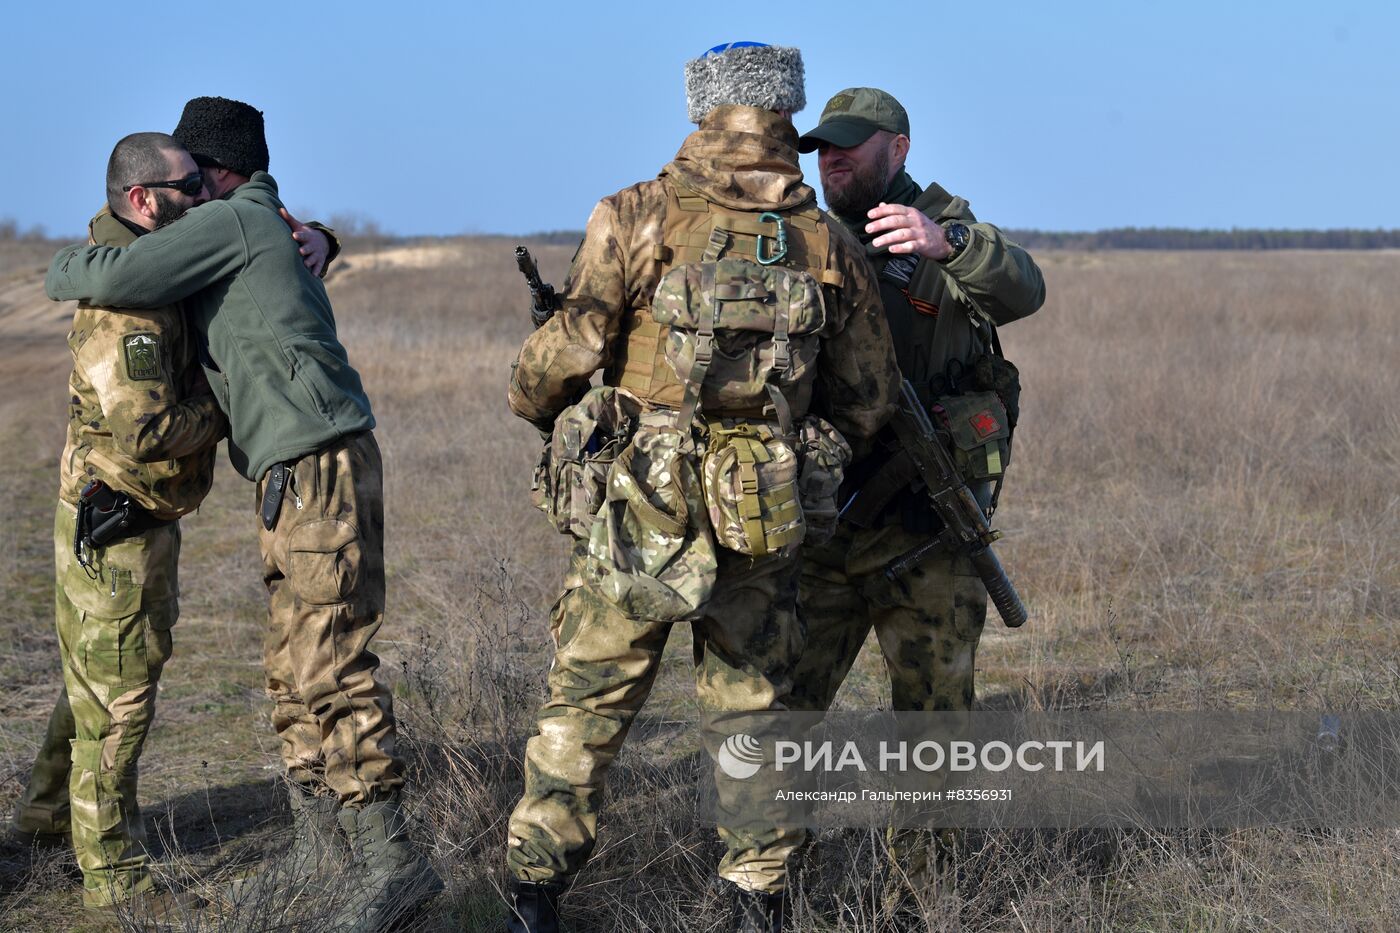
(301, 428)
(226, 139)
(731, 216)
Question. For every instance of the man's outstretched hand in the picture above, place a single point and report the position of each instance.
(906, 230)
(314, 244)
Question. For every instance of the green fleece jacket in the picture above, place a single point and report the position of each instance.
(264, 325)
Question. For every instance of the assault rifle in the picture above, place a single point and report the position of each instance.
(543, 300)
(925, 459)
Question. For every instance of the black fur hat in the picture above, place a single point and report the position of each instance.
(223, 132)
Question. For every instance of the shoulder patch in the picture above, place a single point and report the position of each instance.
(142, 353)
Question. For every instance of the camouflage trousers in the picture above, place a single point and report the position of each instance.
(605, 664)
(114, 638)
(928, 622)
(323, 564)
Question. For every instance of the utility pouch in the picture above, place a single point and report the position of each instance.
(981, 432)
(736, 328)
(571, 479)
(824, 456)
(749, 474)
(993, 373)
(650, 551)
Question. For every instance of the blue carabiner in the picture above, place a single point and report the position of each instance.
(782, 240)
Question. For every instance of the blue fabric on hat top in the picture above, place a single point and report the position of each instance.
(726, 46)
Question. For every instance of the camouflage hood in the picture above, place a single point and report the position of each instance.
(742, 158)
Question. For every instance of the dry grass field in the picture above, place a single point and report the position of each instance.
(1203, 514)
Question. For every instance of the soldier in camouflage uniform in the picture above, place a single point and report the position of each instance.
(742, 158)
(142, 420)
(300, 427)
(944, 277)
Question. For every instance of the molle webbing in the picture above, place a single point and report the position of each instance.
(771, 518)
(697, 230)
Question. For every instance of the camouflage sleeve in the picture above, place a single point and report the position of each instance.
(558, 359)
(857, 370)
(129, 358)
(995, 272)
(332, 239)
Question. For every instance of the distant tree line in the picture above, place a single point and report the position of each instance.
(1149, 238)
(1178, 238)
(9, 230)
(366, 230)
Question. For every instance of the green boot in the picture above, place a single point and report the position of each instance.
(42, 813)
(317, 846)
(395, 879)
(308, 867)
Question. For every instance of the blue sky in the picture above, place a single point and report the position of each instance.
(437, 118)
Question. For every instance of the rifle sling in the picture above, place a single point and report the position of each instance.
(893, 477)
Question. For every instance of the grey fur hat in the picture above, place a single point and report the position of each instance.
(749, 73)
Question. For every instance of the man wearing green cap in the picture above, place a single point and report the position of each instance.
(300, 426)
(947, 282)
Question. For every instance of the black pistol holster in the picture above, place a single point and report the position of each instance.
(106, 515)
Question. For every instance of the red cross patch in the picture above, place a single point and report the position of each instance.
(984, 423)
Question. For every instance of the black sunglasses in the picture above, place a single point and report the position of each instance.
(190, 185)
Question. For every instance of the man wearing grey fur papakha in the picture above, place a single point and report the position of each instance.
(730, 318)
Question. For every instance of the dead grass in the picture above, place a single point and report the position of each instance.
(1202, 514)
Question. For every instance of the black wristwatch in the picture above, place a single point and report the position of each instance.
(958, 237)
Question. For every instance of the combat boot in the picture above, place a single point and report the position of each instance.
(757, 912)
(920, 874)
(151, 910)
(38, 838)
(394, 879)
(317, 844)
(532, 907)
(308, 866)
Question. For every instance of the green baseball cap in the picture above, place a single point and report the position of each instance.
(852, 116)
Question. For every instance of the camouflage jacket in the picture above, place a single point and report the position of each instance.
(932, 306)
(140, 416)
(741, 158)
(933, 312)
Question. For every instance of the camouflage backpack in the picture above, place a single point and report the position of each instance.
(742, 309)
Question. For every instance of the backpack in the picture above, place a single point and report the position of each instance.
(737, 316)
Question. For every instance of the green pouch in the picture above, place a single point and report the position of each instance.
(737, 327)
(749, 473)
(981, 432)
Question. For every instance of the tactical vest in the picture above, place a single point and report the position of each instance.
(698, 230)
